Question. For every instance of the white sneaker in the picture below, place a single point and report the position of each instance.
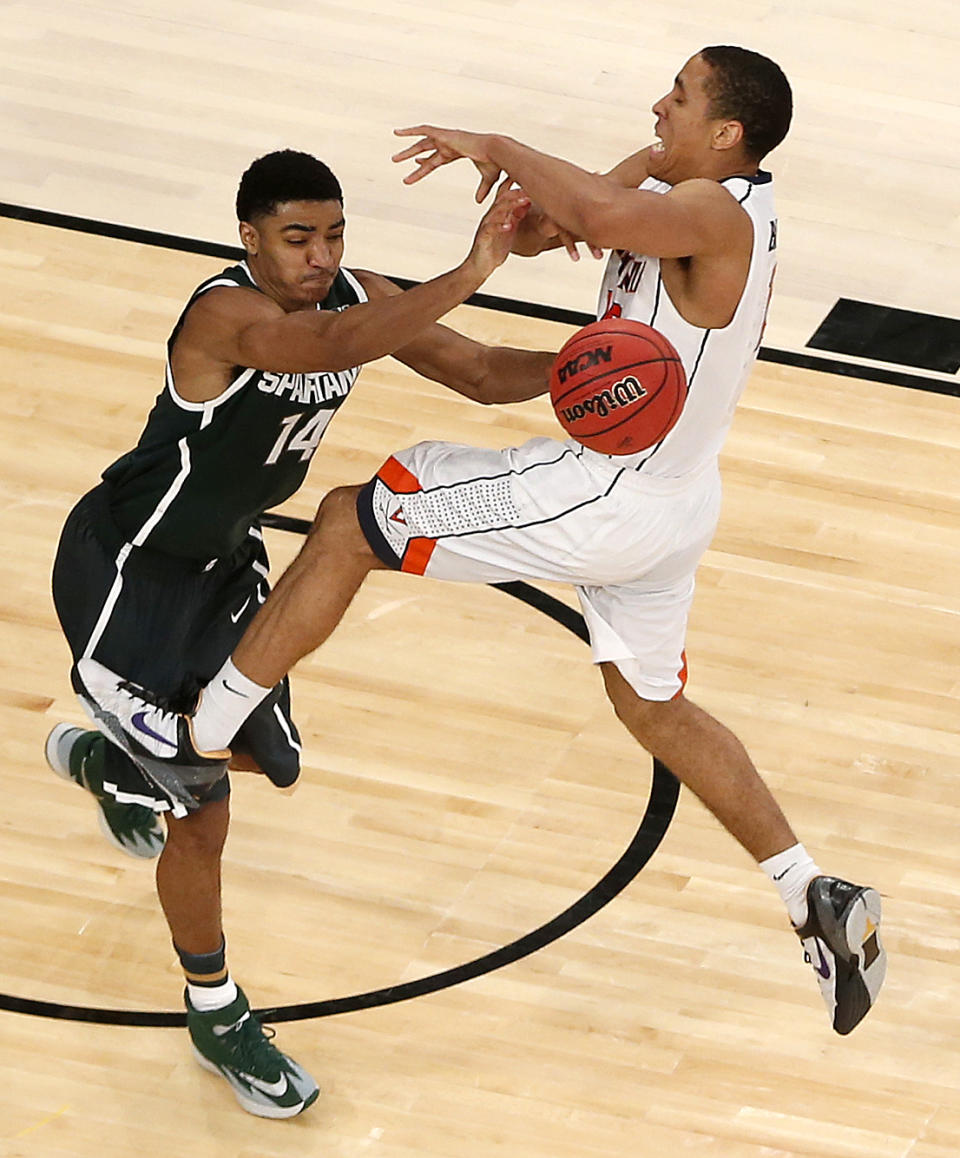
(160, 742)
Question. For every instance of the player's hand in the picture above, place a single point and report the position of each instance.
(549, 229)
(493, 241)
(438, 147)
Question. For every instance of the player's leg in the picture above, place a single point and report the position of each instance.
(312, 595)
(188, 877)
(226, 1038)
(709, 759)
(450, 511)
(837, 922)
(170, 623)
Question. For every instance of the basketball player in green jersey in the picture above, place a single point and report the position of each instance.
(161, 567)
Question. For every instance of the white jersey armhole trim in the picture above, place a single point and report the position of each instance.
(743, 293)
(355, 285)
(207, 408)
(662, 186)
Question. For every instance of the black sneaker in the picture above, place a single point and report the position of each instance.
(841, 941)
(160, 742)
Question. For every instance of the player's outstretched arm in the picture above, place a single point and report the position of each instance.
(248, 329)
(487, 374)
(607, 210)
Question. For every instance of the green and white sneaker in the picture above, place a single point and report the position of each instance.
(232, 1043)
(77, 754)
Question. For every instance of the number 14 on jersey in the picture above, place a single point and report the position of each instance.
(305, 440)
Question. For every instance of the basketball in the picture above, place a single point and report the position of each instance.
(618, 386)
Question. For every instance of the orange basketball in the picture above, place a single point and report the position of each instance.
(618, 386)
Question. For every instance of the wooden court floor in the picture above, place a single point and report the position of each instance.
(465, 782)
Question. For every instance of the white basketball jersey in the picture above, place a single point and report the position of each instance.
(717, 362)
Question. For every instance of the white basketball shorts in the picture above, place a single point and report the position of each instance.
(556, 511)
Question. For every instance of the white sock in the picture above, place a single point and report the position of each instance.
(226, 702)
(791, 871)
(207, 998)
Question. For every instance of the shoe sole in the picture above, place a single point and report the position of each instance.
(52, 755)
(260, 1109)
(113, 839)
(865, 959)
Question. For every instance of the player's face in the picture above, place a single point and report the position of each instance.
(295, 252)
(685, 129)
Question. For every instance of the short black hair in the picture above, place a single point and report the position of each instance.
(284, 176)
(753, 90)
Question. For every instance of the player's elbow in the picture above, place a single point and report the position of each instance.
(478, 389)
(477, 380)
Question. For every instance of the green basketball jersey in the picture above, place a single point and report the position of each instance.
(203, 472)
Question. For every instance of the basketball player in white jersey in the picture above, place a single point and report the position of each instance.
(692, 227)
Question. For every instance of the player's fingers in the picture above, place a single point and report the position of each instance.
(569, 244)
(500, 213)
(412, 150)
(415, 131)
(489, 176)
(487, 182)
(425, 166)
(509, 195)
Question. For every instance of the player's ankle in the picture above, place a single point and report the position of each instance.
(791, 871)
(225, 704)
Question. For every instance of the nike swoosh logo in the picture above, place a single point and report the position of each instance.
(824, 967)
(235, 618)
(139, 722)
(242, 695)
(274, 1089)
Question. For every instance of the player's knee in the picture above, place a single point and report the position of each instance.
(646, 720)
(336, 523)
(337, 508)
(200, 835)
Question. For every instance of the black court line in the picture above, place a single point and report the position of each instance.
(800, 359)
(661, 805)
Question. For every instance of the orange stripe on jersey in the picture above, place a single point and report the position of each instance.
(682, 675)
(417, 555)
(398, 478)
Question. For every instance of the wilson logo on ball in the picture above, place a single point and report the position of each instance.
(622, 393)
(618, 386)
